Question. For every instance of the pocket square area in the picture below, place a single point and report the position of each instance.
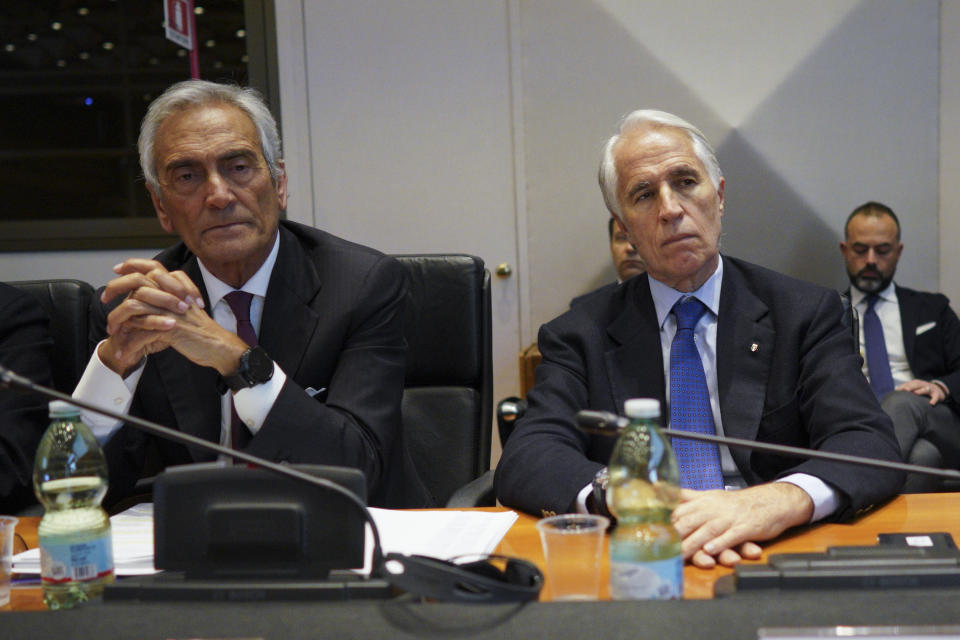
(925, 327)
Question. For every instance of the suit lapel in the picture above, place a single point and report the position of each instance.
(191, 390)
(288, 320)
(635, 367)
(745, 343)
(908, 322)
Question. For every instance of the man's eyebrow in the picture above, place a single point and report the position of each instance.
(684, 171)
(864, 245)
(237, 153)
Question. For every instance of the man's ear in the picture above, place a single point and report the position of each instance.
(720, 187)
(162, 216)
(282, 185)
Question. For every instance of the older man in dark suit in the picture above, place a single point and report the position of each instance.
(263, 335)
(910, 339)
(764, 356)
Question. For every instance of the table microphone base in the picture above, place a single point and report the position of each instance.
(171, 586)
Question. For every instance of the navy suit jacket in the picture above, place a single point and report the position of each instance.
(332, 320)
(934, 353)
(787, 373)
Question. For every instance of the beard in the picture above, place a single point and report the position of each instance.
(870, 279)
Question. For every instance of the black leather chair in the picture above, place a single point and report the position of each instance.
(447, 399)
(67, 302)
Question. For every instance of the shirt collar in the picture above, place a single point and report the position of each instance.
(665, 297)
(887, 295)
(257, 284)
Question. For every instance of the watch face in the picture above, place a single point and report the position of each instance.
(257, 365)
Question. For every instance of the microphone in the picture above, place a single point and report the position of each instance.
(607, 423)
(475, 582)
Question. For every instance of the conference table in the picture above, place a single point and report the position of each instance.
(698, 615)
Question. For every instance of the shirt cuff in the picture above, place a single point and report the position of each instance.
(825, 499)
(582, 498)
(101, 385)
(254, 403)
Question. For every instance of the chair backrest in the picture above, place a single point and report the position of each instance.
(447, 399)
(67, 302)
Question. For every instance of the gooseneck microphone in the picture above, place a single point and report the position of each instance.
(610, 424)
(476, 582)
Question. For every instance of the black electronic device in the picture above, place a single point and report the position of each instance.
(899, 560)
(212, 521)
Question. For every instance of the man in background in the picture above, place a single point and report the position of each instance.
(910, 341)
(626, 262)
(260, 334)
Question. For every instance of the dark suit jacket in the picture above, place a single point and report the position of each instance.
(935, 352)
(332, 320)
(24, 349)
(786, 372)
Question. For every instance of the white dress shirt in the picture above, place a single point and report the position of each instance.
(100, 384)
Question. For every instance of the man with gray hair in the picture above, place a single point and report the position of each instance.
(260, 334)
(732, 348)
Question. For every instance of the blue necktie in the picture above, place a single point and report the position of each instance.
(690, 410)
(239, 302)
(878, 363)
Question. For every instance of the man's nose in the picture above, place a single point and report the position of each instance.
(670, 207)
(219, 191)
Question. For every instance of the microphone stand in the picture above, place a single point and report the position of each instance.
(11, 380)
(610, 424)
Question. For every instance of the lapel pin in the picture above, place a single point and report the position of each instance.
(754, 347)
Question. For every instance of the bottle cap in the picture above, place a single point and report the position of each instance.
(642, 408)
(63, 409)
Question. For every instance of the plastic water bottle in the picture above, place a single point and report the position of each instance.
(646, 561)
(70, 480)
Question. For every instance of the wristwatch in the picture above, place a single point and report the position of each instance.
(255, 368)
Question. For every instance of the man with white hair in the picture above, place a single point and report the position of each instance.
(731, 348)
(260, 334)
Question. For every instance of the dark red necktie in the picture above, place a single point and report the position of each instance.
(239, 302)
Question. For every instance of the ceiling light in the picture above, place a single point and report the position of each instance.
(108, 46)
(56, 26)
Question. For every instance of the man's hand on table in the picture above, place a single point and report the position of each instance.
(724, 526)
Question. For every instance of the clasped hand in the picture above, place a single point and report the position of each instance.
(725, 526)
(162, 309)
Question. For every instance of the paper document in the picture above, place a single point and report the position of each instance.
(132, 533)
(442, 533)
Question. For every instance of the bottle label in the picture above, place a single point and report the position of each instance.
(657, 580)
(76, 562)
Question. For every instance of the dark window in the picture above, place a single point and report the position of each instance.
(76, 77)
